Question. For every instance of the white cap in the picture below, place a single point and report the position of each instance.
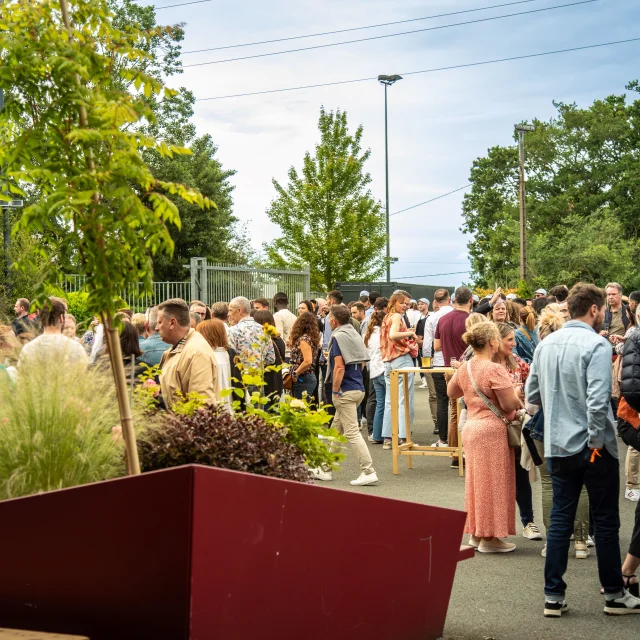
(413, 301)
(364, 293)
(511, 296)
(488, 296)
(425, 300)
(475, 298)
(542, 291)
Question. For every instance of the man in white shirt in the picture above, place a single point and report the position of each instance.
(283, 318)
(52, 346)
(443, 299)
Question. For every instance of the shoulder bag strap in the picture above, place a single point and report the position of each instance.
(484, 398)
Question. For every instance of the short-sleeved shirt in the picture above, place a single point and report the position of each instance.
(352, 379)
(449, 330)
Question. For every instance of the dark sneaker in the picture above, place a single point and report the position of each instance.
(554, 609)
(622, 606)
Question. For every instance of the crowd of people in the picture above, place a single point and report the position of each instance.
(530, 383)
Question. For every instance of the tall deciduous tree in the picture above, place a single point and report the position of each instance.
(72, 133)
(583, 199)
(328, 217)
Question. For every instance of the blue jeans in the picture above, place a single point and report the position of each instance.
(402, 362)
(381, 393)
(602, 480)
(306, 382)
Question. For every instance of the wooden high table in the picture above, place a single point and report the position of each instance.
(411, 449)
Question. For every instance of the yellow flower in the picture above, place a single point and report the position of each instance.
(270, 330)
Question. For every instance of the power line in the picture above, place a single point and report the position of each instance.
(389, 35)
(371, 26)
(444, 195)
(182, 4)
(407, 73)
(429, 275)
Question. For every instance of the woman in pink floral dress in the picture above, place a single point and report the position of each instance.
(490, 466)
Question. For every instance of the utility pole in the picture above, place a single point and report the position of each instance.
(387, 81)
(522, 129)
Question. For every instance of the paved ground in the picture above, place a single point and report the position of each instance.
(498, 597)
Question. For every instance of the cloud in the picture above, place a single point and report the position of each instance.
(438, 122)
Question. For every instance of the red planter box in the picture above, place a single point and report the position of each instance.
(202, 554)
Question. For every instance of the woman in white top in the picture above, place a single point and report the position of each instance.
(376, 372)
(216, 335)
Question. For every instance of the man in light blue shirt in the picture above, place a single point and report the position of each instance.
(570, 378)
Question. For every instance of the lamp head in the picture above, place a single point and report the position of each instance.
(524, 127)
(389, 80)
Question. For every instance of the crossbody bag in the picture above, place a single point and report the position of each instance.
(514, 427)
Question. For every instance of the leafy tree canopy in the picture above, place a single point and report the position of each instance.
(327, 215)
(583, 200)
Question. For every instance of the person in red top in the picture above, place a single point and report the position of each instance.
(448, 338)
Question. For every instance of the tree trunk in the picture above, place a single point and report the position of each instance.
(126, 419)
(110, 333)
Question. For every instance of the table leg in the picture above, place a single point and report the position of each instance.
(393, 383)
(407, 415)
(460, 448)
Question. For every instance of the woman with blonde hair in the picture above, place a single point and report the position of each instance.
(399, 348)
(499, 312)
(214, 332)
(490, 478)
(526, 338)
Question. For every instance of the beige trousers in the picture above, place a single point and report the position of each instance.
(632, 469)
(433, 399)
(346, 422)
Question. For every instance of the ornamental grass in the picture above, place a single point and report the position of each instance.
(56, 425)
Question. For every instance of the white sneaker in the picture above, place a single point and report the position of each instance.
(581, 550)
(320, 474)
(543, 553)
(590, 542)
(440, 444)
(531, 532)
(474, 542)
(632, 494)
(622, 606)
(424, 385)
(365, 479)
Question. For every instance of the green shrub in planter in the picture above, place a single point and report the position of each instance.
(212, 436)
(55, 429)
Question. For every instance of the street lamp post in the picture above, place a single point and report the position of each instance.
(387, 81)
(522, 129)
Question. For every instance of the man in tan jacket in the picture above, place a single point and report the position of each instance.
(190, 365)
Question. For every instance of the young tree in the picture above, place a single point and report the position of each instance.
(70, 131)
(328, 217)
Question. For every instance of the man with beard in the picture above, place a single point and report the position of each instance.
(570, 378)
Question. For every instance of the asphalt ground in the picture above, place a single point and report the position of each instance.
(499, 596)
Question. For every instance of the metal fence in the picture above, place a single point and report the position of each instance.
(134, 296)
(212, 283)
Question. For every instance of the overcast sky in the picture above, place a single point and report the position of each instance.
(438, 122)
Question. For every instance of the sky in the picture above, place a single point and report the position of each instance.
(439, 122)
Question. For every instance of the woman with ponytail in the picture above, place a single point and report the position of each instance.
(526, 338)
